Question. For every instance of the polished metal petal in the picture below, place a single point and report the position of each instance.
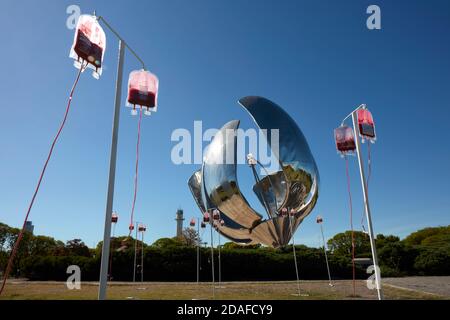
(272, 190)
(195, 185)
(230, 229)
(295, 187)
(220, 180)
(296, 160)
(275, 232)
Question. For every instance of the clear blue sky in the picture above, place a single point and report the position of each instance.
(317, 59)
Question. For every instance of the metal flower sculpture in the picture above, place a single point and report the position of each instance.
(288, 195)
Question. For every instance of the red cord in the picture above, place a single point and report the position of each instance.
(369, 169)
(136, 170)
(351, 225)
(19, 238)
(369, 164)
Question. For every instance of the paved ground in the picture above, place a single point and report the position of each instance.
(433, 285)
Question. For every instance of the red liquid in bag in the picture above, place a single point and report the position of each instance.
(87, 50)
(366, 124)
(367, 130)
(345, 140)
(145, 99)
(346, 145)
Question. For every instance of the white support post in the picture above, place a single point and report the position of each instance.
(366, 206)
(112, 175)
(295, 255)
(326, 255)
(198, 251)
(212, 253)
(220, 262)
(142, 258)
(135, 252)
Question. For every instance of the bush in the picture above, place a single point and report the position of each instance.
(55, 268)
(426, 252)
(433, 262)
(397, 258)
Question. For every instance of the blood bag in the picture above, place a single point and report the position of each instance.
(143, 91)
(366, 125)
(89, 44)
(345, 140)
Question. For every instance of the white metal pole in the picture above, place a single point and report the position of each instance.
(212, 254)
(198, 250)
(367, 207)
(220, 263)
(142, 258)
(295, 256)
(135, 253)
(111, 253)
(112, 175)
(326, 256)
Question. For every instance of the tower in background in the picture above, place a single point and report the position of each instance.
(179, 219)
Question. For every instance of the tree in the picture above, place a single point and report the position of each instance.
(428, 236)
(4, 232)
(398, 257)
(190, 237)
(123, 243)
(341, 244)
(433, 262)
(43, 245)
(44, 258)
(382, 240)
(77, 247)
(167, 243)
(232, 245)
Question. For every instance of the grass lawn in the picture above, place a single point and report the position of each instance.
(342, 289)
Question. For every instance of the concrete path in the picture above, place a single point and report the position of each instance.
(433, 285)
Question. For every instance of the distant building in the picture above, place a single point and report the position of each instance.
(179, 219)
(29, 227)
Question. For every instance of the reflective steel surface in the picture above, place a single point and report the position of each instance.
(220, 180)
(230, 229)
(295, 187)
(195, 185)
(295, 157)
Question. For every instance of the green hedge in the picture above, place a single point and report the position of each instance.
(179, 264)
(425, 252)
